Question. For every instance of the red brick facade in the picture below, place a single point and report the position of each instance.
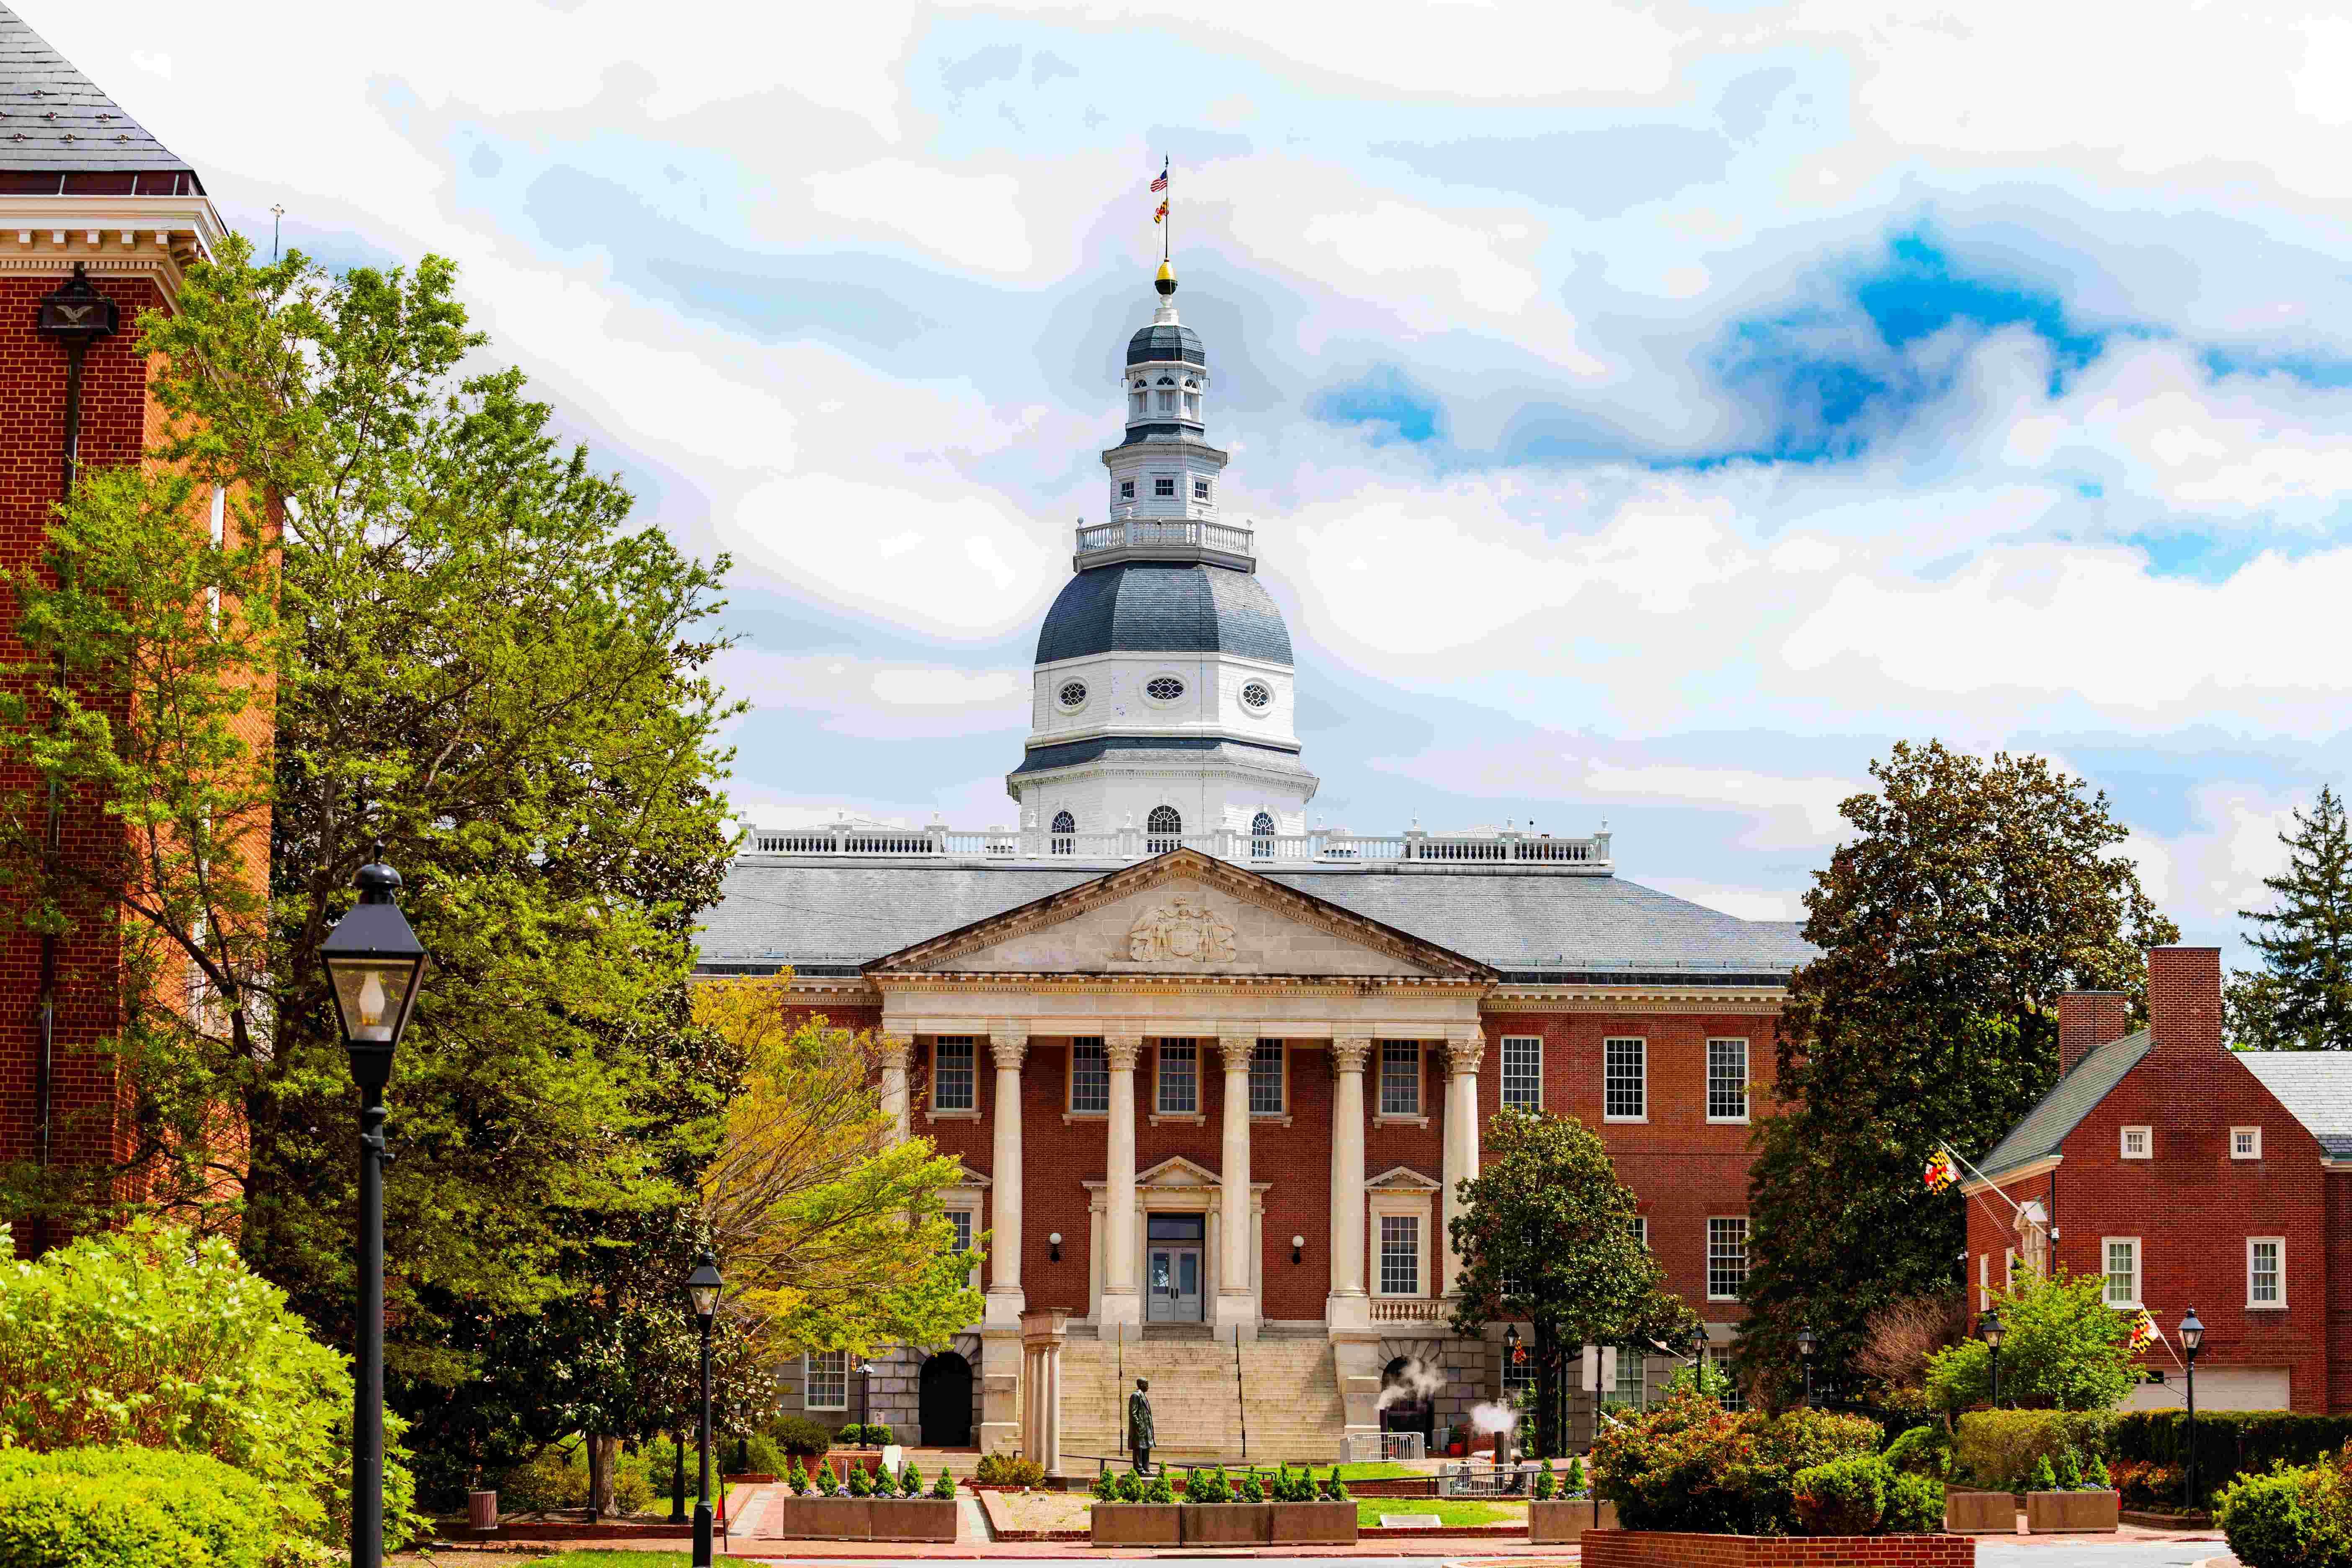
(1682, 1549)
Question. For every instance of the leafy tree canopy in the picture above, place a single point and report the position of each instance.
(1971, 895)
(2300, 999)
(2063, 1348)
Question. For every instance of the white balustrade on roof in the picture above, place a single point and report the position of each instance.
(1322, 846)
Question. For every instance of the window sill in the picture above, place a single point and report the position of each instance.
(1533, 1107)
(1276, 1118)
(1399, 1121)
(950, 1115)
(1631, 1122)
(2124, 1306)
(1069, 1117)
(1713, 1298)
(1726, 1122)
(1178, 1119)
(2266, 1306)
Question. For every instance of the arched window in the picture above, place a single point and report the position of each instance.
(1164, 829)
(1065, 826)
(1262, 837)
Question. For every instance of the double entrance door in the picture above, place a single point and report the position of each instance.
(1173, 1253)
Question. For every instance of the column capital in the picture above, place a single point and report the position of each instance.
(1008, 1048)
(1350, 1052)
(1237, 1048)
(1123, 1051)
(1463, 1054)
(896, 1048)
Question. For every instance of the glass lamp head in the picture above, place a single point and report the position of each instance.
(704, 1286)
(375, 967)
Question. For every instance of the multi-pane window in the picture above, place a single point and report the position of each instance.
(952, 1076)
(1165, 485)
(1180, 1077)
(1641, 1229)
(1265, 1078)
(1167, 405)
(1628, 1389)
(1164, 828)
(2265, 1272)
(1127, 487)
(1066, 828)
(1624, 1079)
(826, 1380)
(1090, 1076)
(2122, 1255)
(960, 1220)
(1199, 490)
(1400, 1078)
(1523, 1071)
(1521, 1373)
(1726, 1080)
(1726, 1257)
(2137, 1142)
(2245, 1142)
(1400, 1255)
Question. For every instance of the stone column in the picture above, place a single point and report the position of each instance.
(1043, 1332)
(1001, 1394)
(895, 1102)
(1462, 1057)
(1236, 1296)
(1348, 1308)
(1122, 1306)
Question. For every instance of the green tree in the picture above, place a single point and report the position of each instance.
(1546, 1235)
(438, 633)
(2301, 997)
(2063, 1348)
(1972, 894)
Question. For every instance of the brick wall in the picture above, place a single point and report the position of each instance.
(2087, 1020)
(1677, 1549)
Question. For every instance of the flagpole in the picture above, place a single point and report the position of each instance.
(1167, 224)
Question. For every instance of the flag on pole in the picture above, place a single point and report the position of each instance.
(1161, 183)
(1940, 1172)
(2145, 1332)
(1162, 212)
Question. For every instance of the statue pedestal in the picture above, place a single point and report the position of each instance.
(1044, 1331)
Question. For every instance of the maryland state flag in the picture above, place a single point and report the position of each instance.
(2144, 1332)
(1162, 212)
(1940, 1172)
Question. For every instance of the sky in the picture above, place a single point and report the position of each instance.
(1649, 413)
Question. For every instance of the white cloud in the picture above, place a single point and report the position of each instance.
(877, 699)
(1391, 238)
(970, 218)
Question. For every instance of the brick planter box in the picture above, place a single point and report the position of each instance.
(825, 1518)
(1979, 1513)
(1226, 1523)
(1134, 1524)
(1679, 1549)
(2073, 1513)
(1558, 1523)
(912, 1518)
(1313, 1523)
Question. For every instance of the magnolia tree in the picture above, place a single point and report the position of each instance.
(1547, 1237)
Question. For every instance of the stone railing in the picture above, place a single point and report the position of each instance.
(1322, 846)
(1408, 1309)
(1164, 529)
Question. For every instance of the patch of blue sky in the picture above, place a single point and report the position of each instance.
(2155, 790)
(2311, 369)
(1386, 403)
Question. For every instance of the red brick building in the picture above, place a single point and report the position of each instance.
(85, 193)
(1213, 1073)
(2190, 1175)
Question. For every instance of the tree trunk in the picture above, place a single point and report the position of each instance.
(1548, 1398)
(601, 1453)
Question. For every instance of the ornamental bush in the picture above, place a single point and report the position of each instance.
(799, 1435)
(1250, 1487)
(1006, 1471)
(1914, 1505)
(2001, 1450)
(1159, 1490)
(2065, 1350)
(138, 1508)
(149, 1337)
(1546, 1484)
(1844, 1497)
(2290, 1518)
(1332, 1488)
(1689, 1463)
(1210, 1485)
(2228, 1443)
(910, 1480)
(1921, 1451)
(944, 1487)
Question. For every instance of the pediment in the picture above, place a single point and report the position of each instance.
(1176, 1171)
(1184, 914)
(968, 1177)
(1402, 1179)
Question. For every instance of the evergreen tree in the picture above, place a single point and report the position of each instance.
(2305, 941)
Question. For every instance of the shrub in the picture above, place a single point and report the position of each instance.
(1689, 1463)
(1158, 1490)
(2290, 1518)
(943, 1489)
(799, 1435)
(797, 1478)
(2044, 1476)
(1546, 1484)
(1005, 1471)
(1333, 1488)
(1914, 1505)
(147, 1337)
(826, 1484)
(762, 1454)
(2066, 1468)
(1998, 1449)
(850, 1434)
(861, 1484)
(137, 1508)
(2096, 1476)
(2146, 1484)
(880, 1434)
(2066, 1350)
(1293, 1485)
(1921, 1451)
(556, 1477)
(1131, 1488)
(1250, 1488)
(910, 1480)
(2229, 1442)
(1575, 1482)
(1104, 1487)
(1844, 1497)
(1210, 1485)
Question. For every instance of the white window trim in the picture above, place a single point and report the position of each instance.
(1195, 1117)
(2253, 1154)
(1642, 1230)
(2279, 1305)
(1747, 1082)
(1417, 1117)
(2140, 1270)
(1504, 1047)
(808, 1362)
(1605, 1114)
(935, 1112)
(1070, 1111)
(1184, 686)
(966, 1201)
(2146, 1143)
(1706, 1260)
(1984, 1282)
(1283, 1115)
(1416, 1204)
(2009, 1269)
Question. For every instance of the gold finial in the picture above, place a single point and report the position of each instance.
(1166, 281)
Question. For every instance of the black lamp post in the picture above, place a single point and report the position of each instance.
(1990, 1327)
(864, 1370)
(2192, 1338)
(1698, 1358)
(1808, 1343)
(374, 967)
(702, 1286)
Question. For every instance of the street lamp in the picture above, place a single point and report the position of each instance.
(702, 1288)
(374, 965)
(1990, 1327)
(864, 1370)
(2192, 1338)
(1808, 1343)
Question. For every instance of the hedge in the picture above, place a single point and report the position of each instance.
(133, 1508)
(1999, 1448)
(2229, 1442)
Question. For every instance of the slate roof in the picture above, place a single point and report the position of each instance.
(2316, 1086)
(1152, 344)
(1163, 607)
(53, 118)
(1070, 753)
(2046, 1127)
(826, 917)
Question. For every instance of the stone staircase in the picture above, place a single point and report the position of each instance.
(1288, 1393)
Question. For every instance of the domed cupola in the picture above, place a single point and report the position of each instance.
(1163, 696)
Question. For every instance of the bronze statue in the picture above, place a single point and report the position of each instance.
(1139, 1426)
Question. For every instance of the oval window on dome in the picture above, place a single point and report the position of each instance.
(1074, 694)
(1256, 694)
(1163, 688)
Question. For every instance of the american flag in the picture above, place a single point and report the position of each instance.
(1161, 182)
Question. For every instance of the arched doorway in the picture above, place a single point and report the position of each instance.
(1408, 1402)
(944, 1401)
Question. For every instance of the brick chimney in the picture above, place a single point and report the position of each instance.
(2184, 999)
(2087, 1020)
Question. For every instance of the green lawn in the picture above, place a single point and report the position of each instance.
(1449, 1510)
(1382, 1470)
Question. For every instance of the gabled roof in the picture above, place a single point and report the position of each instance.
(2316, 1086)
(55, 119)
(2043, 1132)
